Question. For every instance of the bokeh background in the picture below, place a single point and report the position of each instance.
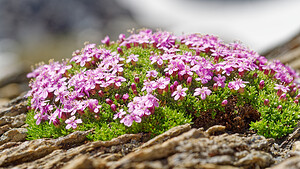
(33, 31)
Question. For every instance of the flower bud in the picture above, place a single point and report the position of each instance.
(137, 80)
(279, 92)
(175, 84)
(282, 97)
(113, 107)
(101, 93)
(117, 96)
(180, 77)
(272, 72)
(152, 109)
(296, 101)
(261, 84)
(160, 91)
(106, 40)
(172, 88)
(266, 72)
(266, 102)
(215, 87)
(189, 81)
(135, 92)
(125, 97)
(297, 97)
(279, 107)
(167, 74)
(255, 75)
(56, 122)
(108, 101)
(133, 86)
(166, 88)
(128, 45)
(224, 103)
(120, 51)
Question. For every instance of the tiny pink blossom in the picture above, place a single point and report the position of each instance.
(179, 93)
(72, 122)
(236, 85)
(204, 91)
(133, 58)
(152, 73)
(120, 114)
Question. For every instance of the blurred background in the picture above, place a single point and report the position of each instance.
(33, 31)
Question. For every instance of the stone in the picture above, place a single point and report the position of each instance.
(14, 110)
(14, 135)
(157, 151)
(175, 131)
(80, 162)
(296, 146)
(36, 149)
(13, 122)
(290, 163)
(198, 148)
(57, 154)
(215, 129)
(3, 129)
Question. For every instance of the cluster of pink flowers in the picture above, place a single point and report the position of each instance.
(58, 93)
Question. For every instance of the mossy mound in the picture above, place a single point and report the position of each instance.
(152, 81)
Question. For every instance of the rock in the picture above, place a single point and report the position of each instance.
(197, 148)
(256, 159)
(58, 154)
(175, 131)
(215, 129)
(3, 129)
(296, 146)
(35, 149)
(157, 151)
(80, 162)
(290, 163)
(9, 145)
(14, 135)
(14, 110)
(13, 122)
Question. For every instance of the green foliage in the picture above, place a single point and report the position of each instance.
(273, 122)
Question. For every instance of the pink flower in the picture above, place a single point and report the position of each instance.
(72, 122)
(128, 119)
(204, 91)
(106, 40)
(224, 103)
(281, 89)
(133, 58)
(148, 86)
(236, 85)
(161, 83)
(179, 93)
(152, 73)
(220, 80)
(120, 114)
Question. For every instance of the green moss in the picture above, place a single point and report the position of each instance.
(272, 123)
